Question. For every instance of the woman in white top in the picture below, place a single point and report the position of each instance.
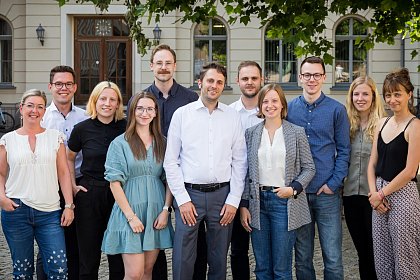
(32, 164)
(274, 204)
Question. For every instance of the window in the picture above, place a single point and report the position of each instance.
(102, 52)
(210, 44)
(280, 63)
(350, 59)
(5, 52)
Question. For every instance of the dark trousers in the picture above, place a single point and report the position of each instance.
(208, 206)
(239, 245)
(358, 214)
(71, 250)
(200, 265)
(93, 209)
(160, 270)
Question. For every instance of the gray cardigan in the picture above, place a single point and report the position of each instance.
(300, 168)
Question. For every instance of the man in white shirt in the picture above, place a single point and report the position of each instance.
(205, 164)
(63, 115)
(249, 81)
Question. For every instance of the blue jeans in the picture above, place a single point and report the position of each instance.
(326, 213)
(273, 243)
(21, 226)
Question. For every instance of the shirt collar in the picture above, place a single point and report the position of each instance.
(172, 91)
(316, 102)
(54, 108)
(239, 106)
(199, 104)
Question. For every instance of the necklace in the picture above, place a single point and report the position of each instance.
(397, 124)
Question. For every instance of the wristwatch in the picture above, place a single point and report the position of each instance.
(167, 208)
(295, 194)
(70, 206)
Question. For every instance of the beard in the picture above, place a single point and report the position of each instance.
(250, 95)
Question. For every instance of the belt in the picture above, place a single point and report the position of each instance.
(207, 187)
(268, 188)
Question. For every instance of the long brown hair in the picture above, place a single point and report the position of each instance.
(136, 144)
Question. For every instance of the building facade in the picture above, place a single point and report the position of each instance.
(99, 48)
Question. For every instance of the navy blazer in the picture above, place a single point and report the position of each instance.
(300, 169)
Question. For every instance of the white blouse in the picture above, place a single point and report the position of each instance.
(33, 176)
(272, 159)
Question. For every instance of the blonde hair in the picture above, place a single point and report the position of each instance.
(94, 96)
(263, 92)
(376, 110)
(33, 92)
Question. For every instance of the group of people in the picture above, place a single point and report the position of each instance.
(260, 169)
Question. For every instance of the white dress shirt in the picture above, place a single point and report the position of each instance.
(54, 119)
(272, 159)
(205, 148)
(248, 117)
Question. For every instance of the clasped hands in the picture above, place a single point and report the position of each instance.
(378, 203)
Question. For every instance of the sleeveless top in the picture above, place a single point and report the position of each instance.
(392, 156)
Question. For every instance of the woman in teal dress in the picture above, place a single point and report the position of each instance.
(139, 225)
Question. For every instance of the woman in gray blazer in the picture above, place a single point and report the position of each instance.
(274, 204)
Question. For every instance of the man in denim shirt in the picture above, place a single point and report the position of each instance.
(327, 128)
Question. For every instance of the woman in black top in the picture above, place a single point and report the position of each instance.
(392, 180)
(93, 197)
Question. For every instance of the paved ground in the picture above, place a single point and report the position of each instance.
(349, 259)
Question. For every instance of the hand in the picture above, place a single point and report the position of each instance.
(136, 225)
(228, 212)
(78, 188)
(188, 213)
(7, 204)
(162, 220)
(380, 205)
(284, 192)
(375, 199)
(245, 218)
(324, 189)
(67, 217)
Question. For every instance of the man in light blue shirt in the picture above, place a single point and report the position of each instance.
(63, 116)
(327, 128)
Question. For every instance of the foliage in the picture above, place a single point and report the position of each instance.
(295, 21)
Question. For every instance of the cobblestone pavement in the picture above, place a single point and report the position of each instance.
(349, 260)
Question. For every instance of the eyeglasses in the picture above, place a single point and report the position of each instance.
(59, 85)
(307, 76)
(32, 106)
(160, 64)
(149, 110)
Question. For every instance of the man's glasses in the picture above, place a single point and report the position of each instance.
(149, 110)
(307, 76)
(32, 106)
(59, 85)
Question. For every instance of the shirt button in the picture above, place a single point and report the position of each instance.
(308, 136)
(310, 111)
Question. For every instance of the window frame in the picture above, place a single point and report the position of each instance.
(6, 39)
(350, 38)
(210, 38)
(280, 61)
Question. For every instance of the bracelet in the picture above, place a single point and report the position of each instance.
(131, 218)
